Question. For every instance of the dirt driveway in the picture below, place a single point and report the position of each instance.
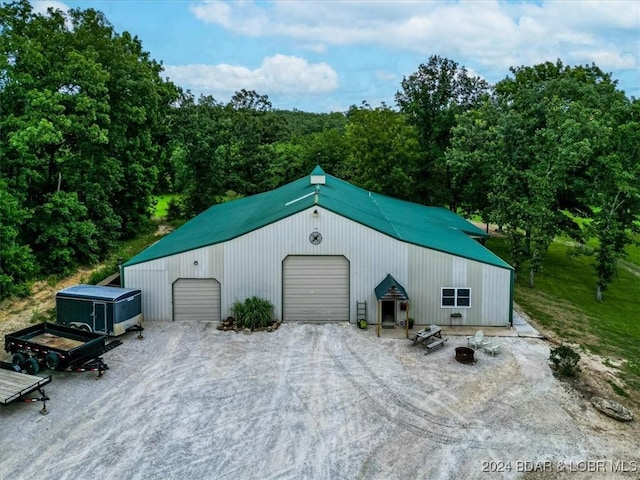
(307, 402)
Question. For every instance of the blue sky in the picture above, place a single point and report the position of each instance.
(324, 56)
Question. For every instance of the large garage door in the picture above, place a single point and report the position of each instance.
(315, 289)
(196, 299)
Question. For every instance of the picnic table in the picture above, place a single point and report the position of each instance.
(430, 337)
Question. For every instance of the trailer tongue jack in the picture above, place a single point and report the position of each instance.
(16, 386)
(43, 398)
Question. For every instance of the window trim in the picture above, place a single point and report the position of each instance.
(456, 297)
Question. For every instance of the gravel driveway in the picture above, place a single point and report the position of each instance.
(311, 401)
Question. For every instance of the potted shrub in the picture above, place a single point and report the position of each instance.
(411, 322)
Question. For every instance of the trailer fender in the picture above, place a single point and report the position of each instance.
(80, 326)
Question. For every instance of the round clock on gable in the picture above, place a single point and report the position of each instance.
(315, 238)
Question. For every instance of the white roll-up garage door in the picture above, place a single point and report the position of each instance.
(315, 288)
(196, 299)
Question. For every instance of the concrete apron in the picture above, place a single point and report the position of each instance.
(520, 328)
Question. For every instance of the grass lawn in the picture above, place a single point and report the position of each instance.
(563, 302)
(162, 205)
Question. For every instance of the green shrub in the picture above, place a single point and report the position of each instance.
(103, 272)
(565, 360)
(175, 209)
(253, 313)
(38, 316)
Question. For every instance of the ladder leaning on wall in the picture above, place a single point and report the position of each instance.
(361, 311)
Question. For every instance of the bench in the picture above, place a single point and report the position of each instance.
(436, 343)
(492, 348)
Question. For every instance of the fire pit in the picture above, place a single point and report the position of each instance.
(465, 355)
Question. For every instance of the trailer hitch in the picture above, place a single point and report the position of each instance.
(96, 365)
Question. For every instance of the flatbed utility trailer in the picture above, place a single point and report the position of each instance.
(59, 348)
(15, 386)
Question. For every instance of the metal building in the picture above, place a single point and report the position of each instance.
(317, 248)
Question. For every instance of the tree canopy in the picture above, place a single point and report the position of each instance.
(91, 131)
(81, 108)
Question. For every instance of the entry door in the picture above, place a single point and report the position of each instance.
(388, 311)
(315, 288)
(100, 317)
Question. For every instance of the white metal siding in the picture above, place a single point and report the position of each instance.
(154, 282)
(431, 270)
(196, 299)
(253, 262)
(156, 277)
(252, 265)
(316, 289)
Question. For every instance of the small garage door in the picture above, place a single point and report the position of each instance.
(196, 299)
(316, 288)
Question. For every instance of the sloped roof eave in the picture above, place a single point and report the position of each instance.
(498, 263)
(136, 260)
(437, 228)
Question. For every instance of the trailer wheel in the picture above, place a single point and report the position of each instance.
(19, 359)
(84, 328)
(31, 366)
(52, 360)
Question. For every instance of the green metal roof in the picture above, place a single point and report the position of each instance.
(432, 227)
(389, 287)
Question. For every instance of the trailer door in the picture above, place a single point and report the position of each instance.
(100, 317)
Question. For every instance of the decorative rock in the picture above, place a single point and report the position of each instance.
(612, 409)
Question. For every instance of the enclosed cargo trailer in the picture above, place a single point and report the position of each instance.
(101, 309)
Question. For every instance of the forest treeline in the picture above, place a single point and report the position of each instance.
(90, 131)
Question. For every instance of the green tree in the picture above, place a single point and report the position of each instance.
(383, 150)
(17, 262)
(614, 194)
(469, 158)
(545, 136)
(254, 129)
(63, 233)
(82, 107)
(200, 148)
(431, 98)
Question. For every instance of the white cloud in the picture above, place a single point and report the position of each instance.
(495, 34)
(41, 6)
(320, 48)
(386, 76)
(277, 74)
(613, 59)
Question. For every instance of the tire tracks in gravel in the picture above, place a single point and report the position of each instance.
(405, 413)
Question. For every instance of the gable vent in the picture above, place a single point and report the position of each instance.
(318, 179)
(318, 176)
